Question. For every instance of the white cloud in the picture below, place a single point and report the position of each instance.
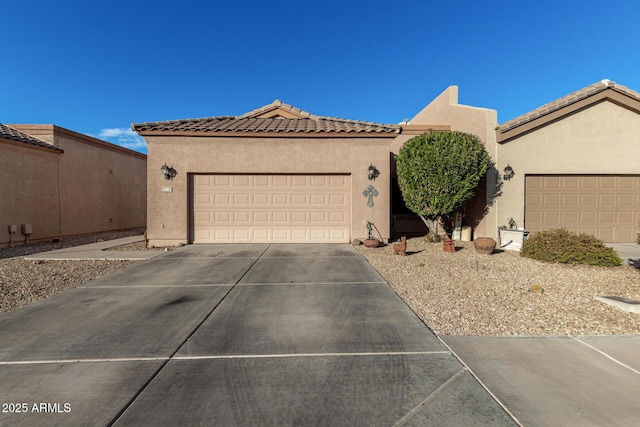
(125, 138)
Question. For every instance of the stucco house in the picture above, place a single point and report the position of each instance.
(280, 174)
(576, 164)
(274, 174)
(62, 183)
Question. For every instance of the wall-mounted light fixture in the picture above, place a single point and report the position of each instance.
(168, 172)
(508, 173)
(373, 172)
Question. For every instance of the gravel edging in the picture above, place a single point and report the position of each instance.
(465, 293)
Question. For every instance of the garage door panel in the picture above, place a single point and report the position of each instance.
(203, 216)
(217, 180)
(551, 182)
(261, 181)
(606, 200)
(624, 200)
(271, 208)
(624, 218)
(626, 234)
(300, 235)
(280, 217)
(320, 217)
(607, 182)
(241, 217)
(587, 217)
(299, 199)
(588, 182)
(261, 216)
(299, 182)
(241, 199)
(280, 199)
(605, 234)
(606, 206)
(606, 217)
(261, 199)
(570, 182)
(318, 199)
(551, 200)
(626, 182)
(300, 217)
(241, 181)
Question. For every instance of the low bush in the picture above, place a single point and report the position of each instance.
(432, 238)
(564, 246)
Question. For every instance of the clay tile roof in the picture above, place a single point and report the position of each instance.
(12, 134)
(276, 117)
(567, 100)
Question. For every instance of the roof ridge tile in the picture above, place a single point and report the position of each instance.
(12, 134)
(249, 123)
(566, 100)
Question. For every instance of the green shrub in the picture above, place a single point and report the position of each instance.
(432, 237)
(638, 238)
(564, 246)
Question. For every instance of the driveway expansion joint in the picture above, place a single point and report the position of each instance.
(274, 356)
(613, 359)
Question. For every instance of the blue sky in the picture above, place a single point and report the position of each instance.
(97, 67)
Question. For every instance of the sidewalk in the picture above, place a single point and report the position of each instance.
(558, 381)
(99, 251)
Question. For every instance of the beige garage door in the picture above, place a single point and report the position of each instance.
(271, 208)
(605, 206)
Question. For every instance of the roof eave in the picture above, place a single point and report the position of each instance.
(218, 134)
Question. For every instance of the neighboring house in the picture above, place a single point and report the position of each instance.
(275, 174)
(63, 183)
(577, 164)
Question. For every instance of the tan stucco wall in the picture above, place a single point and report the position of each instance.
(73, 192)
(168, 211)
(445, 110)
(602, 139)
(101, 189)
(29, 179)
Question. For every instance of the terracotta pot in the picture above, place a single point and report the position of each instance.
(484, 245)
(448, 246)
(371, 243)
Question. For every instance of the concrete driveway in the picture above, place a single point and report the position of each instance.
(234, 335)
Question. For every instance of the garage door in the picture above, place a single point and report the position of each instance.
(606, 206)
(271, 208)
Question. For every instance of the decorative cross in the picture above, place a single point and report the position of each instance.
(370, 192)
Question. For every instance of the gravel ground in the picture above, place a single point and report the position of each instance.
(465, 293)
(23, 281)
